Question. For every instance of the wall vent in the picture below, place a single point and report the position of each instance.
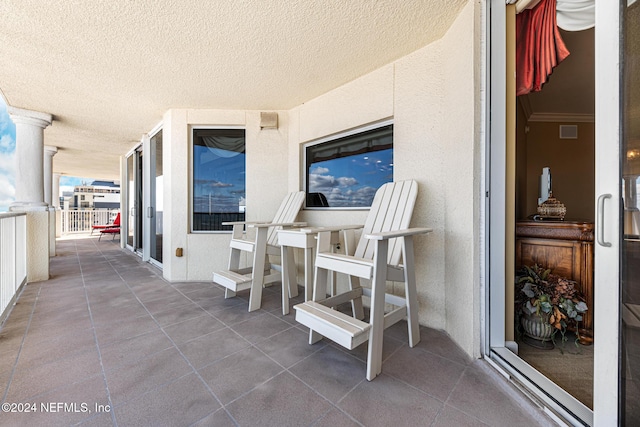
(568, 132)
(268, 120)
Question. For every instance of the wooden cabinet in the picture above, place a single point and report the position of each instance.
(566, 247)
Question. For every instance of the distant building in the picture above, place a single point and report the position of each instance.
(97, 195)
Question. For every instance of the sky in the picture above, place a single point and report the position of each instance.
(8, 167)
(351, 181)
(7, 155)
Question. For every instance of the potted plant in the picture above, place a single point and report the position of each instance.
(547, 304)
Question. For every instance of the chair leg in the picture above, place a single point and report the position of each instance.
(357, 309)
(378, 290)
(308, 274)
(292, 272)
(234, 265)
(319, 293)
(234, 259)
(289, 282)
(259, 258)
(411, 293)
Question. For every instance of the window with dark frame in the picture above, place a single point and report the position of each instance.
(219, 184)
(346, 172)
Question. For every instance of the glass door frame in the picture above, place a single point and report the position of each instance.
(607, 296)
(606, 396)
(132, 212)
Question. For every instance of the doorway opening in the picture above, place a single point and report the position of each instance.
(555, 173)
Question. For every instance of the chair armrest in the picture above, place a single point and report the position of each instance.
(244, 222)
(277, 224)
(312, 230)
(399, 233)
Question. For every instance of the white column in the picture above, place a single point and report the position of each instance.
(55, 191)
(47, 171)
(55, 199)
(29, 154)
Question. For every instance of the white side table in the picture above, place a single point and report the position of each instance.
(302, 239)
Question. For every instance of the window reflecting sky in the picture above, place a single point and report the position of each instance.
(351, 181)
(218, 180)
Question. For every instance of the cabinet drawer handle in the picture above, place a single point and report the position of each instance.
(600, 215)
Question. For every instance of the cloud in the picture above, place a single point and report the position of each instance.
(7, 190)
(218, 184)
(320, 170)
(7, 164)
(319, 182)
(347, 181)
(363, 196)
(7, 179)
(7, 128)
(341, 191)
(210, 183)
(7, 143)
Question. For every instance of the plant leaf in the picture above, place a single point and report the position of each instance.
(529, 308)
(527, 291)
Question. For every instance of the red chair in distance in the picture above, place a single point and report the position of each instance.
(115, 224)
(113, 230)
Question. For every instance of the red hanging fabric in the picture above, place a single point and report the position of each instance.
(539, 47)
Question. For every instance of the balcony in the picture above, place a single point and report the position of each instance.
(107, 341)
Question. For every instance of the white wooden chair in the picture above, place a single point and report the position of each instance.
(262, 271)
(385, 239)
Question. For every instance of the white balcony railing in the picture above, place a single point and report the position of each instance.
(13, 258)
(81, 221)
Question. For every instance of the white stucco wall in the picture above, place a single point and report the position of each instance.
(37, 242)
(432, 96)
(463, 177)
(267, 184)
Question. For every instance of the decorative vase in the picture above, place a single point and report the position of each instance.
(552, 208)
(538, 332)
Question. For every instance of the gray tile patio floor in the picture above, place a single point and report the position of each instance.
(106, 341)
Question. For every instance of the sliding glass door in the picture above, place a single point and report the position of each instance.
(134, 200)
(155, 208)
(144, 199)
(616, 287)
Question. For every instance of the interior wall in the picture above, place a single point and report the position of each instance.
(572, 163)
(521, 163)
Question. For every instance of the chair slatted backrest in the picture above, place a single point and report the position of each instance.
(287, 212)
(391, 210)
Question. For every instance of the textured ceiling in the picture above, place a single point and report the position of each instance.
(108, 70)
